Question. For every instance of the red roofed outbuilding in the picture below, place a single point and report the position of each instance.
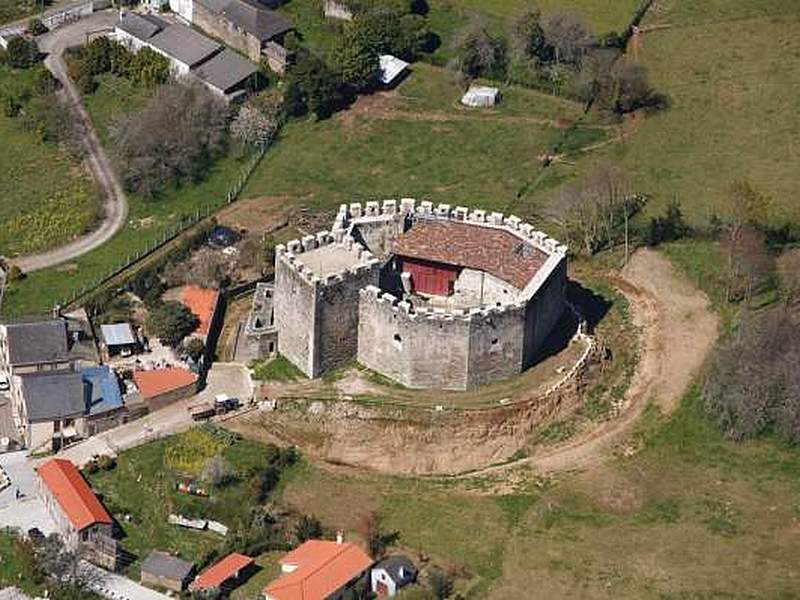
(203, 303)
(224, 575)
(161, 387)
(320, 570)
(72, 503)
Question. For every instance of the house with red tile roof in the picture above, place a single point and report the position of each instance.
(320, 570)
(161, 387)
(203, 303)
(72, 503)
(225, 575)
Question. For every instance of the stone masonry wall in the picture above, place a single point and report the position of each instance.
(495, 346)
(543, 312)
(219, 27)
(316, 318)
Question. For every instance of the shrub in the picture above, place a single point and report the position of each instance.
(669, 227)
(478, 52)
(22, 53)
(36, 27)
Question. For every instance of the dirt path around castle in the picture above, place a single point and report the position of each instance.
(678, 331)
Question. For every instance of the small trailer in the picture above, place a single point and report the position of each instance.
(221, 404)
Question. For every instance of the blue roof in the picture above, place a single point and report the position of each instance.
(102, 389)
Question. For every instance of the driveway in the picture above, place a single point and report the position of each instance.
(115, 205)
(228, 378)
(117, 587)
(29, 510)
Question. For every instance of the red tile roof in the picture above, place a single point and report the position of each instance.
(495, 251)
(159, 381)
(217, 574)
(203, 303)
(73, 494)
(322, 568)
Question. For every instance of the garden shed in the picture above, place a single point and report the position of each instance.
(480, 96)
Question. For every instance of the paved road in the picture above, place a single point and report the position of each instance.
(116, 203)
(117, 587)
(229, 378)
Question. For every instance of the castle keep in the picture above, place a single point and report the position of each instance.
(432, 297)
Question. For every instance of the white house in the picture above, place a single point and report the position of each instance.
(392, 574)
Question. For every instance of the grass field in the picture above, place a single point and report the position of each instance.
(419, 142)
(47, 197)
(148, 220)
(690, 516)
(730, 68)
(142, 485)
(11, 10)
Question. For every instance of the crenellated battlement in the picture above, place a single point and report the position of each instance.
(355, 212)
(293, 253)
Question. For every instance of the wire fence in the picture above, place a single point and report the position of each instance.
(152, 246)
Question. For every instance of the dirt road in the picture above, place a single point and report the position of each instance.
(679, 330)
(115, 205)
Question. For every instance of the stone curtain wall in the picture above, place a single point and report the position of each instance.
(294, 309)
(543, 312)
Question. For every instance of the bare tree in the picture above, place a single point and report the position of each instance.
(568, 35)
(176, 137)
(479, 53)
(591, 211)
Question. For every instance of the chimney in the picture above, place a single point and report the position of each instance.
(339, 537)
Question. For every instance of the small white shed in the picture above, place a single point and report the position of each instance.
(481, 96)
(391, 68)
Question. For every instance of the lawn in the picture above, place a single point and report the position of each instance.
(143, 486)
(48, 197)
(16, 567)
(730, 68)
(148, 221)
(690, 516)
(418, 142)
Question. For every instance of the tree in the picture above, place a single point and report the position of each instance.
(754, 385)
(22, 53)
(314, 87)
(254, 127)
(194, 348)
(175, 138)
(567, 34)
(594, 211)
(668, 228)
(376, 540)
(479, 53)
(308, 528)
(171, 322)
(634, 91)
(527, 36)
(356, 59)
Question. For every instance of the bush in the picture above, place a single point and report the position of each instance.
(194, 348)
(22, 53)
(479, 53)
(314, 87)
(36, 27)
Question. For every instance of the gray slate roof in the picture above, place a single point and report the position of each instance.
(226, 70)
(139, 26)
(37, 342)
(256, 20)
(162, 564)
(184, 44)
(393, 565)
(52, 395)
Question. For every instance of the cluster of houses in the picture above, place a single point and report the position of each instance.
(62, 383)
(315, 570)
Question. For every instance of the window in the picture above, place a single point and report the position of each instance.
(398, 341)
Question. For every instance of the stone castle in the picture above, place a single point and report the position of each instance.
(432, 297)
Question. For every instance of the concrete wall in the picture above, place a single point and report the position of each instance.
(229, 33)
(482, 288)
(543, 311)
(183, 8)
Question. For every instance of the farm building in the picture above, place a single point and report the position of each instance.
(392, 574)
(84, 524)
(391, 69)
(161, 387)
(430, 297)
(204, 304)
(162, 570)
(119, 338)
(224, 575)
